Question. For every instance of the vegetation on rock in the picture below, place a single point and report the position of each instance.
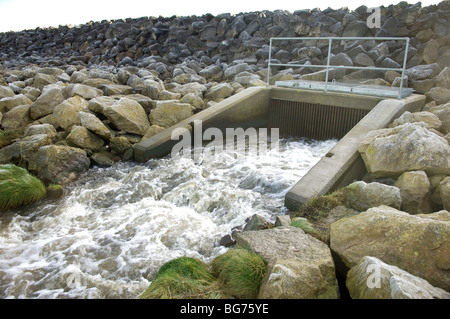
(316, 211)
(240, 271)
(183, 278)
(18, 187)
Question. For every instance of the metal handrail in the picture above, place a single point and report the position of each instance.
(327, 66)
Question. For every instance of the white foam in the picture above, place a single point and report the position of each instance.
(108, 237)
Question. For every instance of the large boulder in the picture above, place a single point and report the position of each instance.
(443, 190)
(16, 117)
(439, 94)
(8, 103)
(429, 118)
(418, 244)
(81, 137)
(168, 113)
(443, 113)
(299, 265)
(415, 192)
(6, 91)
(59, 164)
(391, 152)
(45, 104)
(85, 91)
(373, 279)
(219, 92)
(362, 196)
(98, 104)
(128, 115)
(93, 123)
(66, 113)
(421, 72)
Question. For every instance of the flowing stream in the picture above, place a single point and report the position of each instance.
(114, 228)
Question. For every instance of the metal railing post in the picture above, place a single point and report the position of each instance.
(404, 67)
(328, 64)
(268, 66)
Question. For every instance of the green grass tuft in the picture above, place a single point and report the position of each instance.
(241, 272)
(316, 211)
(18, 187)
(183, 278)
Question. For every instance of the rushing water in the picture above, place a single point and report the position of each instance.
(116, 226)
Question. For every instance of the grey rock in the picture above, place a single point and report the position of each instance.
(374, 279)
(299, 266)
(362, 196)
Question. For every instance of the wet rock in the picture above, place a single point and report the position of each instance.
(416, 244)
(299, 266)
(169, 113)
(116, 89)
(59, 164)
(219, 92)
(362, 196)
(128, 115)
(256, 222)
(41, 129)
(8, 103)
(439, 94)
(45, 104)
(421, 72)
(429, 118)
(153, 130)
(373, 279)
(81, 137)
(16, 117)
(66, 113)
(98, 104)
(119, 145)
(104, 159)
(92, 123)
(415, 192)
(393, 151)
(85, 91)
(5, 91)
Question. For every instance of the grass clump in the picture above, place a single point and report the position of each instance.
(305, 225)
(18, 187)
(240, 271)
(316, 211)
(183, 278)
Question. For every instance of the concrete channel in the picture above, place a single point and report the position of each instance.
(304, 113)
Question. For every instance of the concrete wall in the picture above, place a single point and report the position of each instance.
(343, 164)
(250, 108)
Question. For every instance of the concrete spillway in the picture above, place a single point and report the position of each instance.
(299, 112)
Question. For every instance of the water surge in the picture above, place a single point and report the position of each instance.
(116, 226)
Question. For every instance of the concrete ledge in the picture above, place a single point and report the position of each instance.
(248, 108)
(325, 98)
(343, 164)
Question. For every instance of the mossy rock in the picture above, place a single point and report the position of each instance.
(241, 272)
(54, 191)
(183, 278)
(18, 187)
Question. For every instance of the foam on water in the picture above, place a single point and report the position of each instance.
(108, 237)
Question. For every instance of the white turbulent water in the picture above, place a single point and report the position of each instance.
(108, 237)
